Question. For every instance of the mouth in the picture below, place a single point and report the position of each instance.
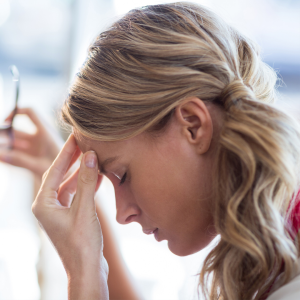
(150, 231)
(153, 231)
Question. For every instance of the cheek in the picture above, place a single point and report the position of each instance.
(114, 180)
(164, 190)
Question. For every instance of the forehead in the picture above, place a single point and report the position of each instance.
(85, 143)
(108, 148)
(107, 152)
(124, 152)
(102, 149)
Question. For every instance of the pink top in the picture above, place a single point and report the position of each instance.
(293, 224)
(294, 219)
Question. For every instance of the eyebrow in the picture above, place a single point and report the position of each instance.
(106, 162)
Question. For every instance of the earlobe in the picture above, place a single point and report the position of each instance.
(196, 123)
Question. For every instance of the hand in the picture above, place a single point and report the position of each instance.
(34, 152)
(72, 225)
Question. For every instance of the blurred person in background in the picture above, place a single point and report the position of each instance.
(174, 105)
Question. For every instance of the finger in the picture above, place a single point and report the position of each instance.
(60, 165)
(30, 113)
(21, 145)
(67, 189)
(75, 156)
(87, 182)
(23, 160)
(74, 164)
(69, 186)
(21, 135)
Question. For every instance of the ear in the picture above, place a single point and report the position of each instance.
(196, 123)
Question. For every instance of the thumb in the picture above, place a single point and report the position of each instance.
(87, 181)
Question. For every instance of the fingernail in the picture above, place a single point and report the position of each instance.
(90, 159)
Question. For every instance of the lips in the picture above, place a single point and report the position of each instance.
(159, 239)
(149, 231)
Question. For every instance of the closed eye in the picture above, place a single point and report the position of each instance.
(123, 179)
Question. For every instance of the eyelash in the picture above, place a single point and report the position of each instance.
(123, 179)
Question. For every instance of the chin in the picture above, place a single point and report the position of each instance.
(181, 249)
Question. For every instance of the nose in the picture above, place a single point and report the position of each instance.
(127, 210)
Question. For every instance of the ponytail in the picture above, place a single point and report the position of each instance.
(259, 157)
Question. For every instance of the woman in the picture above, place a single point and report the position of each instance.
(174, 107)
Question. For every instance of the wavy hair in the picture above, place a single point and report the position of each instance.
(149, 61)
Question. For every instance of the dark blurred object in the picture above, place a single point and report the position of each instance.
(6, 132)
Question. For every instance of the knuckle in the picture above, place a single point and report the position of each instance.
(88, 177)
(35, 209)
(69, 152)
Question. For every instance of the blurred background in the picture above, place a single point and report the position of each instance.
(47, 41)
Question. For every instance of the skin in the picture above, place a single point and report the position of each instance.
(169, 187)
(164, 182)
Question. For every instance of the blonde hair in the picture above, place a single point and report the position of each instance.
(141, 68)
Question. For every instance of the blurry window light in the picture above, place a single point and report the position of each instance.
(122, 7)
(4, 11)
(274, 24)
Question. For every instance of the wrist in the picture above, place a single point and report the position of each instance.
(89, 282)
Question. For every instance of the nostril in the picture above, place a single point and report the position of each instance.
(130, 218)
